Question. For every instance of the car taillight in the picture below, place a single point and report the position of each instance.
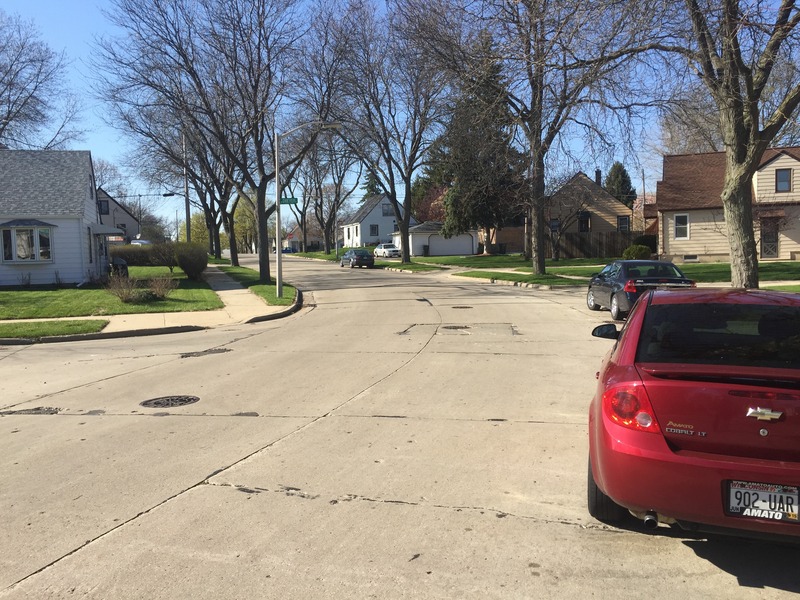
(630, 286)
(629, 406)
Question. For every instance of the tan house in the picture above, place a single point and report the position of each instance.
(584, 220)
(691, 223)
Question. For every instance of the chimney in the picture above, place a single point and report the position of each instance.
(598, 179)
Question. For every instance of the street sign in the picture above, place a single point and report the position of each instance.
(288, 200)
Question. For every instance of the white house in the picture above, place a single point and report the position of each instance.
(114, 214)
(374, 223)
(49, 218)
(426, 239)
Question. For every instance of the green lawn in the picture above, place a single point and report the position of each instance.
(93, 300)
(249, 279)
(39, 329)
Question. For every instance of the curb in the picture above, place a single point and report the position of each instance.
(296, 306)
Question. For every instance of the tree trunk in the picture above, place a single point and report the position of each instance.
(537, 212)
(737, 200)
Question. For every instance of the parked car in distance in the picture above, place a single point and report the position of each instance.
(387, 251)
(357, 257)
(620, 283)
(695, 420)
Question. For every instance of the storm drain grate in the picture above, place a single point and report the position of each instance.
(169, 401)
(455, 327)
(461, 307)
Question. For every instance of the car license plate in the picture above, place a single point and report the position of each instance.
(763, 500)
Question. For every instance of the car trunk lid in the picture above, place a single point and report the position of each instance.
(746, 412)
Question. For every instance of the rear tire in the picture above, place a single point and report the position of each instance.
(591, 302)
(600, 506)
(616, 313)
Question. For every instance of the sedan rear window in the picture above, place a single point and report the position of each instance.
(722, 334)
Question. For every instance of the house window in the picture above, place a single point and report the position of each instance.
(584, 222)
(27, 244)
(103, 206)
(555, 225)
(783, 180)
(681, 227)
(623, 223)
(373, 230)
(386, 210)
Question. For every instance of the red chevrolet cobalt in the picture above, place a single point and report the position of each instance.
(696, 418)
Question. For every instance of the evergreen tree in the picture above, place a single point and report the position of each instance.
(485, 169)
(618, 184)
(371, 186)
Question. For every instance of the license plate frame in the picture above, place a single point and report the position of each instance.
(757, 500)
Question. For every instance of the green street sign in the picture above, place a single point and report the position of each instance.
(288, 200)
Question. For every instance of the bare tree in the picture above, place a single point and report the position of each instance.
(222, 68)
(108, 176)
(36, 109)
(744, 54)
(565, 64)
(394, 104)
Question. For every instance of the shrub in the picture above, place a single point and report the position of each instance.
(135, 256)
(649, 240)
(161, 287)
(192, 258)
(124, 288)
(163, 255)
(636, 252)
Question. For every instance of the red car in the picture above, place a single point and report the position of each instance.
(696, 417)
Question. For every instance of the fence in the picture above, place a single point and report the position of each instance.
(605, 244)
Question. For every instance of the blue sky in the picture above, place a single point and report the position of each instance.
(70, 26)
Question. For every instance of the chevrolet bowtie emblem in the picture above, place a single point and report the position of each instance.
(764, 414)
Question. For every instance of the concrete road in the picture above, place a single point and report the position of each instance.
(403, 436)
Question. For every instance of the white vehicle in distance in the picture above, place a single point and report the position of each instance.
(387, 251)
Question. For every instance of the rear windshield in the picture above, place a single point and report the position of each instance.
(723, 334)
(654, 270)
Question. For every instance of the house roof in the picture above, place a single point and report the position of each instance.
(104, 195)
(695, 181)
(582, 186)
(426, 227)
(370, 202)
(45, 182)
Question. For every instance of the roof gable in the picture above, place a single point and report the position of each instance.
(369, 204)
(45, 182)
(581, 186)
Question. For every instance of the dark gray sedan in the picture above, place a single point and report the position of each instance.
(357, 257)
(621, 282)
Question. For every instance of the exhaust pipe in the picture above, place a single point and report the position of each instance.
(650, 520)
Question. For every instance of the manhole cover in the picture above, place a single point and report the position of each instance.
(169, 401)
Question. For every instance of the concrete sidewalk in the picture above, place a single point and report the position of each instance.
(241, 306)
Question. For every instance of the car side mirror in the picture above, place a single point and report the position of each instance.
(607, 331)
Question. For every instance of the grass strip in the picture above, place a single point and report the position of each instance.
(40, 329)
(249, 278)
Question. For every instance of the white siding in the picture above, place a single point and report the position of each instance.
(68, 264)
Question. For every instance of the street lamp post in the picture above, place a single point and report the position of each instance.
(278, 250)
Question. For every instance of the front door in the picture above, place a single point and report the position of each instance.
(769, 237)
